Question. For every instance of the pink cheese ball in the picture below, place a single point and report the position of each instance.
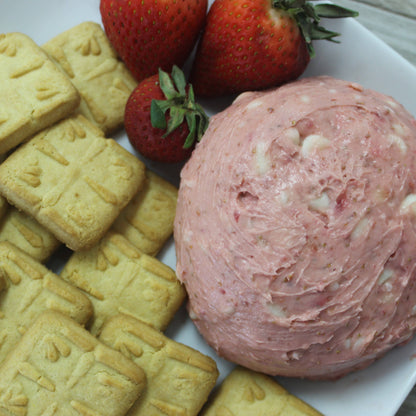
(296, 229)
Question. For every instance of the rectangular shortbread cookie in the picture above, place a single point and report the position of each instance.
(59, 368)
(27, 234)
(179, 378)
(147, 220)
(34, 93)
(248, 393)
(72, 180)
(87, 57)
(117, 277)
(29, 288)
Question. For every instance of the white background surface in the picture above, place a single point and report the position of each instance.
(361, 57)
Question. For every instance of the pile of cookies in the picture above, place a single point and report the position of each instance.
(89, 341)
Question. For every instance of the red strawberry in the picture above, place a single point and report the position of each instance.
(162, 120)
(257, 44)
(149, 34)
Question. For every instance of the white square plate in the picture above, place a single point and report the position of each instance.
(361, 57)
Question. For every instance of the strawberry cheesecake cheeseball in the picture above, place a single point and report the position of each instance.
(296, 229)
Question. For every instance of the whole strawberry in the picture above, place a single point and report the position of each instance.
(149, 34)
(257, 44)
(162, 120)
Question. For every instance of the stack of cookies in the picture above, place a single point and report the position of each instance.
(89, 340)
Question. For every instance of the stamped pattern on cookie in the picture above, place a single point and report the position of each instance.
(105, 84)
(179, 378)
(72, 180)
(33, 93)
(58, 367)
(29, 288)
(117, 277)
(27, 234)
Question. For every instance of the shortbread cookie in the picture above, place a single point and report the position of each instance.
(247, 393)
(87, 57)
(117, 277)
(34, 93)
(72, 180)
(27, 234)
(179, 378)
(147, 221)
(59, 368)
(29, 288)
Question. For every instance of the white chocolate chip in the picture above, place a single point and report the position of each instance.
(409, 204)
(263, 162)
(254, 104)
(392, 104)
(357, 345)
(321, 203)
(398, 129)
(193, 315)
(384, 276)
(189, 183)
(229, 310)
(381, 194)
(314, 142)
(241, 124)
(360, 228)
(284, 197)
(188, 236)
(294, 355)
(293, 135)
(399, 142)
(276, 310)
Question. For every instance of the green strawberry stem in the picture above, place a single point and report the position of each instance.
(308, 17)
(180, 101)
